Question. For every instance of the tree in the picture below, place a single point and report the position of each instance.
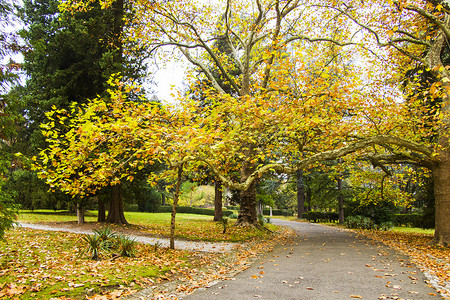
(73, 55)
(8, 75)
(297, 102)
(415, 33)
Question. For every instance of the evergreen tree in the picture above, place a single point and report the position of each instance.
(72, 57)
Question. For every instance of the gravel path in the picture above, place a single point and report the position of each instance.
(325, 263)
(163, 242)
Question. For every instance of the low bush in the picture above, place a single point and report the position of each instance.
(232, 207)
(385, 226)
(126, 245)
(278, 212)
(411, 220)
(234, 215)
(320, 216)
(359, 222)
(105, 241)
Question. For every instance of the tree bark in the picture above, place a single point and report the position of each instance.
(340, 201)
(247, 214)
(80, 213)
(174, 207)
(441, 177)
(115, 212)
(300, 194)
(218, 213)
(101, 217)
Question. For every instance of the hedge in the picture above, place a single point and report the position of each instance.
(320, 216)
(193, 210)
(412, 220)
(277, 212)
(232, 207)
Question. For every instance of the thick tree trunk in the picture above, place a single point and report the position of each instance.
(340, 201)
(441, 177)
(115, 212)
(174, 207)
(300, 194)
(247, 214)
(101, 217)
(80, 213)
(218, 214)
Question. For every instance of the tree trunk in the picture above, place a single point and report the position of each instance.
(115, 212)
(340, 201)
(163, 199)
(218, 214)
(101, 217)
(174, 207)
(247, 214)
(80, 213)
(300, 194)
(307, 199)
(441, 177)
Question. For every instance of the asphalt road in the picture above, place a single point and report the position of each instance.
(325, 263)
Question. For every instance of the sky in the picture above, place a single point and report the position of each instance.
(168, 81)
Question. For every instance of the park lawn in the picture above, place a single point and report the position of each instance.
(188, 226)
(37, 264)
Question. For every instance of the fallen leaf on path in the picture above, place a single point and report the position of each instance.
(356, 296)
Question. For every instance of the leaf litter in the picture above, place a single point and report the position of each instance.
(36, 263)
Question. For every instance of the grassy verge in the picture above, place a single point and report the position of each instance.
(43, 265)
(37, 264)
(191, 227)
(289, 218)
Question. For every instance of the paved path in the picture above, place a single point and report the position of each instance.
(325, 263)
(163, 242)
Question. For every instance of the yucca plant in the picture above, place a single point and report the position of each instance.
(126, 245)
(95, 246)
(107, 236)
(105, 233)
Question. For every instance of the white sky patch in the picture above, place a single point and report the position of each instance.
(169, 81)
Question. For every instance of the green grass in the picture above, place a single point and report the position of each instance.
(413, 230)
(289, 218)
(36, 264)
(42, 265)
(188, 226)
(52, 216)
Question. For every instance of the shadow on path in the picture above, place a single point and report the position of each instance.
(325, 263)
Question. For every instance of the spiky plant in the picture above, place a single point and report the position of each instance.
(126, 245)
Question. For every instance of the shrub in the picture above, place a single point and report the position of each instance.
(126, 245)
(412, 220)
(95, 246)
(359, 222)
(104, 241)
(278, 212)
(234, 215)
(385, 226)
(319, 216)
